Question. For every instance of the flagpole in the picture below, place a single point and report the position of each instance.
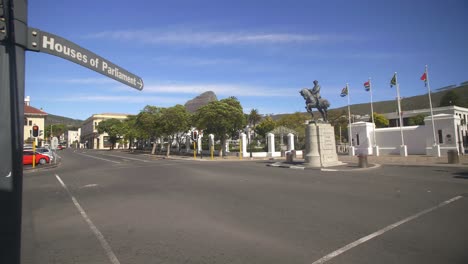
(350, 137)
(399, 109)
(430, 105)
(372, 111)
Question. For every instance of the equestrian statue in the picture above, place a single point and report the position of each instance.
(314, 100)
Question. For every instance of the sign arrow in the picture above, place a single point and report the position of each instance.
(42, 41)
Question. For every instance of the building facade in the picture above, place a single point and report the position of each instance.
(73, 138)
(449, 132)
(33, 117)
(90, 137)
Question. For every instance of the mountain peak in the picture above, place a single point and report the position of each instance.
(199, 101)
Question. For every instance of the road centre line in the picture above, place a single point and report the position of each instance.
(125, 157)
(110, 254)
(382, 231)
(98, 158)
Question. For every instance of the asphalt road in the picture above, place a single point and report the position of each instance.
(113, 207)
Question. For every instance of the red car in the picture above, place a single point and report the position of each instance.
(28, 158)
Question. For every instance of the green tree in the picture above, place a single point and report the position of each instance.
(222, 118)
(265, 126)
(54, 130)
(339, 120)
(114, 129)
(450, 98)
(417, 120)
(130, 131)
(254, 118)
(172, 121)
(147, 124)
(297, 122)
(380, 120)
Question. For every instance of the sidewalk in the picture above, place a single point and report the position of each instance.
(414, 160)
(351, 162)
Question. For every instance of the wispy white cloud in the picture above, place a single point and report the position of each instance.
(194, 61)
(222, 90)
(187, 37)
(89, 81)
(120, 99)
(65, 80)
(355, 55)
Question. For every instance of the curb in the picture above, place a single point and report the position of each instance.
(329, 169)
(41, 168)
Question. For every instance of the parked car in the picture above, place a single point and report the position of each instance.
(40, 158)
(47, 152)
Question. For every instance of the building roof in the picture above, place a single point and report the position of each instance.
(29, 110)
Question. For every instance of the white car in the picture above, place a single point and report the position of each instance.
(46, 151)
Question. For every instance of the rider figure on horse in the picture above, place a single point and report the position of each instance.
(316, 91)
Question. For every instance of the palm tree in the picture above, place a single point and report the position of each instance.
(254, 117)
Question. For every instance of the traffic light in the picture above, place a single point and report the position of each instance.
(35, 131)
(194, 135)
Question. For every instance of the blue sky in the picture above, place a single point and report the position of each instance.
(262, 52)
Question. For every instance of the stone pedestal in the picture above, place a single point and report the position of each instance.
(376, 151)
(436, 150)
(320, 146)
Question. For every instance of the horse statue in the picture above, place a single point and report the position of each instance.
(311, 102)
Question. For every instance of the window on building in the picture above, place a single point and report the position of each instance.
(30, 122)
(357, 139)
(441, 139)
(25, 121)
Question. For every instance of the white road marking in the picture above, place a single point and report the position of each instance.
(381, 231)
(9, 175)
(98, 158)
(90, 185)
(93, 228)
(125, 157)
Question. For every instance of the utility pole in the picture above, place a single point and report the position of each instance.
(13, 41)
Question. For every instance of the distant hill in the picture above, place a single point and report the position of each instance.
(55, 119)
(199, 101)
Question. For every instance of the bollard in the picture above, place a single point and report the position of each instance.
(452, 156)
(362, 161)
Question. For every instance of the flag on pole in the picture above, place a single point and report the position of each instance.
(367, 86)
(393, 80)
(424, 78)
(344, 92)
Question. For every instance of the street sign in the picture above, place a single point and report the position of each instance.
(54, 143)
(42, 41)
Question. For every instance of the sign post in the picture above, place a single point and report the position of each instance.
(15, 39)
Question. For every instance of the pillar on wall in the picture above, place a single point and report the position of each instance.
(211, 140)
(199, 143)
(271, 144)
(187, 143)
(227, 145)
(244, 144)
(290, 141)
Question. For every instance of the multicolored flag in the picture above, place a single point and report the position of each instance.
(367, 86)
(344, 92)
(424, 78)
(393, 80)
